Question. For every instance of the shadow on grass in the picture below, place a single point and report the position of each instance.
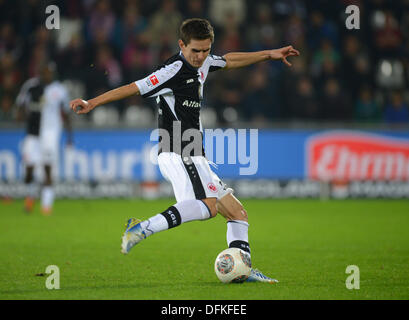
(142, 286)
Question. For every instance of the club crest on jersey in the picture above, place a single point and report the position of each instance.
(191, 104)
(154, 80)
(212, 187)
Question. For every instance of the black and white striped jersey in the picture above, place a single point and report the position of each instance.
(29, 97)
(178, 88)
(43, 104)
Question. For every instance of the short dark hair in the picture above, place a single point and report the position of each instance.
(196, 28)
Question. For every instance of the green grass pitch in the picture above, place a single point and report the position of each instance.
(306, 244)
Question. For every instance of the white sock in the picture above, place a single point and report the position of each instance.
(47, 197)
(237, 235)
(175, 215)
(154, 224)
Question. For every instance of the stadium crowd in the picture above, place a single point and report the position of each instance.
(342, 75)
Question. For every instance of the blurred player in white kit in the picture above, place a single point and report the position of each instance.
(43, 103)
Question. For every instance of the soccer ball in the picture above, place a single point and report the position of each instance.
(233, 265)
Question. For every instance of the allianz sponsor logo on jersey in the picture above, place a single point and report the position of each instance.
(191, 104)
(353, 155)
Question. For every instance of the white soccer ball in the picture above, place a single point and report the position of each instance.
(233, 265)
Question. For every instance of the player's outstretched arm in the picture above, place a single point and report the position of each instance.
(81, 106)
(243, 59)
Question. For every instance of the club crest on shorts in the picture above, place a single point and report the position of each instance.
(212, 187)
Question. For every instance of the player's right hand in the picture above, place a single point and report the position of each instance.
(80, 106)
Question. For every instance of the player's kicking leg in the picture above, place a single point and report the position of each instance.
(187, 176)
(133, 234)
(181, 212)
(237, 230)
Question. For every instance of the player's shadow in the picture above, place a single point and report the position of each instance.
(4, 293)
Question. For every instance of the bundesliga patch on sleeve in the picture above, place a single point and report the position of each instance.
(153, 80)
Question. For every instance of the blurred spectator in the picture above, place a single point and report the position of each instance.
(388, 37)
(164, 26)
(234, 9)
(6, 104)
(131, 25)
(137, 54)
(397, 110)
(9, 41)
(292, 75)
(294, 32)
(225, 91)
(228, 41)
(165, 53)
(405, 22)
(104, 74)
(107, 63)
(101, 23)
(39, 56)
(335, 104)
(366, 108)
(10, 76)
(72, 60)
(303, 102)
(194, 9)
(289, 7)
(31, 15)
(42, 49)
(319, 29)
(258, 96)
(355, 65)
(263, 33)
(9, 12)
(326, 57)
(74, 9)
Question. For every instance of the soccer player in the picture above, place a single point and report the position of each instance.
(43, 103)
(178, 88)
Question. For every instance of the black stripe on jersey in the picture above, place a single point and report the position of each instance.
(34, 107)
(163, 103)
(33, 123)
(194, 178)
(165, 121)
(172, 216)
(214, 68)
(217, 63)
(156, 90)
(36, 93)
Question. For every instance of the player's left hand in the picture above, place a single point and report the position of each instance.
(283, 54)
(80, 106)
